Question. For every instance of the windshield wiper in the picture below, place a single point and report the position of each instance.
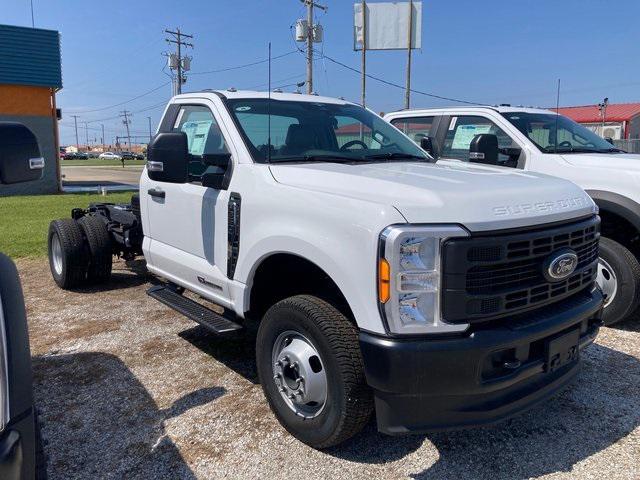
(317, 158)
(395, 156)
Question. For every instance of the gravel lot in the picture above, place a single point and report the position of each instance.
(129, 389)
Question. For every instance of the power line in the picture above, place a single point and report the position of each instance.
(246, 65)
(125, 102)
(391, 84)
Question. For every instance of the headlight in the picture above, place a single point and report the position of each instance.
(409, 278)
(4, 379)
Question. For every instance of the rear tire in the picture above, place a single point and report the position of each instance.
(314, 340)
(67, 254)
(100, 254)
(619, 279)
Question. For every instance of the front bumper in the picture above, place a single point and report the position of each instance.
(432, 384)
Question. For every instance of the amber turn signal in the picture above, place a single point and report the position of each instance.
(384, 277)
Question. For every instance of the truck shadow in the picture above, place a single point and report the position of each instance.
(237, 352)
(100, 421)
(601, 407)
(124, 275)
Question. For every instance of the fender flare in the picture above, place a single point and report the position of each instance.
(617, 204)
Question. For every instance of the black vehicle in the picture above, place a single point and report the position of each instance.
(21, 454)
(139, 156)
(76, 156)
(127, 155)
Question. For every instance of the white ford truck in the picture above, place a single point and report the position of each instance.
(536, 140)
(440, 296)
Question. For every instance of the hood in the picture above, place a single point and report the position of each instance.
(609, 161)
(476, 196)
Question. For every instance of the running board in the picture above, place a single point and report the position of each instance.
(209, 319)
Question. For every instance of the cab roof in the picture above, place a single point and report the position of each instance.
(251, 94)
(460, 110)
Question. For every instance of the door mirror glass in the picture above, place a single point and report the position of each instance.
(20, 158)
(167, 158)
(484, 149)
(426, 143)
(218, 170)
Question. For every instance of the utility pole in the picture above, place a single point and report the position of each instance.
(86, 135)
(149, 118)
(126, 114)
(75, 122)
(310, 39)
(102, 138)
(603, 112)
(364, 54)
(181, 63)
(407, 93)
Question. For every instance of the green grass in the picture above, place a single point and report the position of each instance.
(100, 162)
(24, 221)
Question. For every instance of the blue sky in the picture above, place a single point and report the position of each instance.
(499, 51)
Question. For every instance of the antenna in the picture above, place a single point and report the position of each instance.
(557, 115)
(269, 111)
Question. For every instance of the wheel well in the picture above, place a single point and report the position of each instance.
(283, 275)
(619, 229)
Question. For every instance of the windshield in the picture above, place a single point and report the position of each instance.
(308, 131)
(571, 137)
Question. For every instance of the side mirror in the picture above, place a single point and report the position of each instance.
(484, 149)
(220, 177)
(20, 158)
(426, 143)
(610, 140)
(168, 158)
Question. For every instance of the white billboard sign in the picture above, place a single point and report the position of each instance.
(387, 26)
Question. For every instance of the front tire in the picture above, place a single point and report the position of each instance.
(67, 255)
(311, 370)
(619, 280)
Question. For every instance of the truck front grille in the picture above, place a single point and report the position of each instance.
(489, 276)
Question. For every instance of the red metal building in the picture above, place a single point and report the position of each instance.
(621, 120)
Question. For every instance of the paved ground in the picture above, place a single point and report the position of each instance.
(75, 176)
(129, 389)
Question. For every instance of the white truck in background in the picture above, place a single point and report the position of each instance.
(536, 140)
(440, 296)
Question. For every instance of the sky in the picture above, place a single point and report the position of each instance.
(497, 51)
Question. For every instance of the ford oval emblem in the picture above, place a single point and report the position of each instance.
(560, 265)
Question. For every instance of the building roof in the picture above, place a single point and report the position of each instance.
(30, 56)
(616, 112)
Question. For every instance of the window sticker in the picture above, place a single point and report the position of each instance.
(465, 133)
(197, 133)
(452, 125)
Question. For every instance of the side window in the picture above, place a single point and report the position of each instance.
(203, 135)
(461, 131)
(415, 128)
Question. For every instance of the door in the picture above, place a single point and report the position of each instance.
(462, 129)
(188, 222)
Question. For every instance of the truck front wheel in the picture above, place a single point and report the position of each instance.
(311, 370)
(619, 280)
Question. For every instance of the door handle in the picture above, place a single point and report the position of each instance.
(156, 193)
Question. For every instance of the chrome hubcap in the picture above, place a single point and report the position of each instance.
(299, 374)
(607, 282)
(56, 254)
